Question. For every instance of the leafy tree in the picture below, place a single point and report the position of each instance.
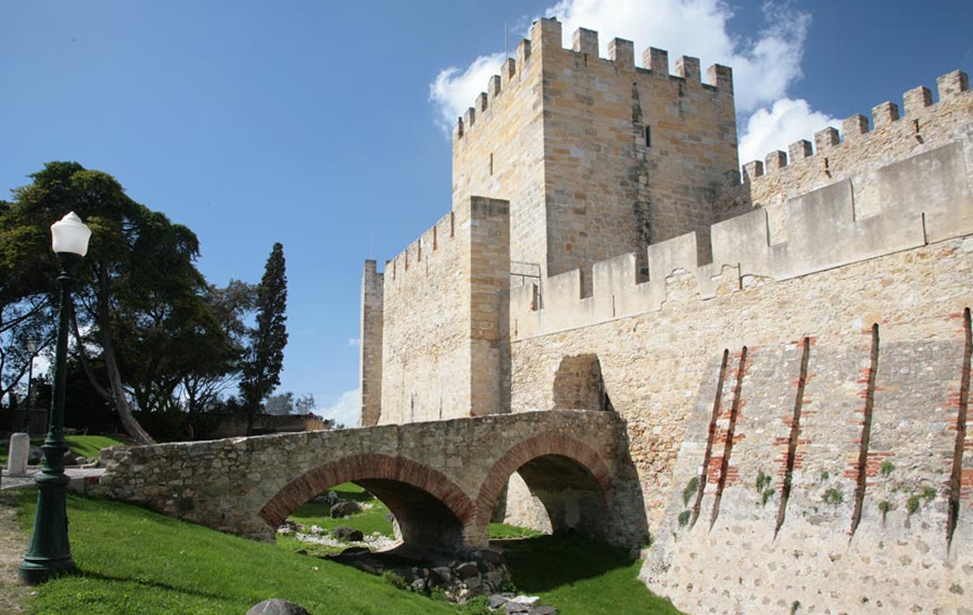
(140, 300)
(280, 404)
(205, 385)
(265, 355)
(305, 404)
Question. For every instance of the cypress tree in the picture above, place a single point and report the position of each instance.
(265, 357)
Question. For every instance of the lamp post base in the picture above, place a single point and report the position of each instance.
(37, 573)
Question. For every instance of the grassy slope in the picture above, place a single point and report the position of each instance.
(581, 577)
(136, 561)
(85, 446)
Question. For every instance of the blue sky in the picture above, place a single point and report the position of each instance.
(321, 124)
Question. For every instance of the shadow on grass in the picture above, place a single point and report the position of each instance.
(545, 563)
(99, 576)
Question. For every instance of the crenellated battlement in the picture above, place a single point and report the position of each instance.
(546, 38)
(925, 199)
(426, 247)
(887, 123)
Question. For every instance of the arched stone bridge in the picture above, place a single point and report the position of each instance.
(442, 479)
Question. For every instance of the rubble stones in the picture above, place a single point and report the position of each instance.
(345, 508)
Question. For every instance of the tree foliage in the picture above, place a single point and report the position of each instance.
(141, 304)
(265, 355)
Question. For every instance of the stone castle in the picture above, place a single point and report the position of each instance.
(790, 353)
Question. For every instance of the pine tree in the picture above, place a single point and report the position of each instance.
(265, 356)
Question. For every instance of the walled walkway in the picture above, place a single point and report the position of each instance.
(442, 479)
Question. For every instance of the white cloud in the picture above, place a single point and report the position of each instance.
(785, 122)
(764, 66)
(344, 411)
(354, 341)
(454, 90)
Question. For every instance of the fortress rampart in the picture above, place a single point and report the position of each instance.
(790, 355)
(926, 125)
(441, 350)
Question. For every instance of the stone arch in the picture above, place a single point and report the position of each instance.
(548, 462)
(431, 509)
(580, 385)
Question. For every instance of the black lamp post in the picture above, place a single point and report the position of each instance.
(49, 552)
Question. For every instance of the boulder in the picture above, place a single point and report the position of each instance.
(344, 508)
(276, 606)
(347, 534)
(35, 456)
(467, 570)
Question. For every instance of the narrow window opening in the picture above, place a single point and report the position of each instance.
(491, 165)
(648, 136)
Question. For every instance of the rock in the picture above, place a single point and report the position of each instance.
(467, 570)
(347, 534)
(443, 573)
(515, 607)
(528, 600)
(496, 602)
(545, 610)
(70, 459)
(276, 606)
(343, 508)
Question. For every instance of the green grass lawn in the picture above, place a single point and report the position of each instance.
(581, 577)
(136, 561)
(84, 446)
(368, 521)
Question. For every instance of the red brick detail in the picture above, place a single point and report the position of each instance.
(538, 446)
(362, 467)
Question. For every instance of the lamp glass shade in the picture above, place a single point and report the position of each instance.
(70, 235)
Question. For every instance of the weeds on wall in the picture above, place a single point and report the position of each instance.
(690, 490)
(886, 468)
(884, 507)
(833, 496)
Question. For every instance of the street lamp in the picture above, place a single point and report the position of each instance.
(49, 552)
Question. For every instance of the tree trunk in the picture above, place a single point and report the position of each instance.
(111, 366)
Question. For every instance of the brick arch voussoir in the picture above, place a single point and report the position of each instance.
(533, 448)
(362, 467)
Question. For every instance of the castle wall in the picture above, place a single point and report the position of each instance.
(370, 359)
(924, 126)
(498, 150)
(441, 347)
(562, 134)
(633, 155)
(906, 269)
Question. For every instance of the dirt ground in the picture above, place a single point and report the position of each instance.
(13, 543)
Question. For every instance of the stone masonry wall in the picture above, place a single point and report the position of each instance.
(855, 157)
(370, 359)
(905, 269)
(498, 150)
(633, 155)
(436, 474)
(661, 368)
(439, 348)
(597, 156)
